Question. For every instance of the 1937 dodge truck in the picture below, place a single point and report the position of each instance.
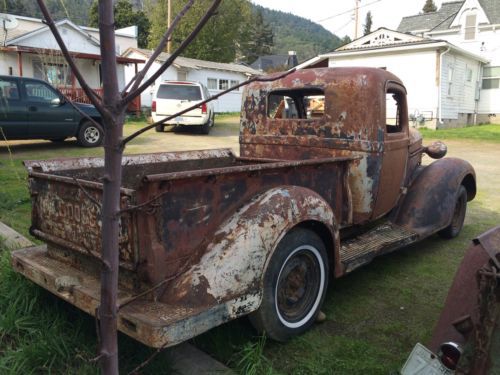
(329, 176)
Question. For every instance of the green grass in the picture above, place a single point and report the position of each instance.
(374, 316)
(490, 133)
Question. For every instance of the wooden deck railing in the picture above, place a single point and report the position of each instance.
(77, 94)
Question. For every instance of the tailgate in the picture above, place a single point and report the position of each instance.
(63, 214)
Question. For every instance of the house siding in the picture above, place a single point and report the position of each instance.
(417, 70)
(230, 102)
(73, 40)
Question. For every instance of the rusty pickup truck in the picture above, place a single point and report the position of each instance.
(329, 176)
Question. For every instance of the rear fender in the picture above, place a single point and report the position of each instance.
(429, 202)
(233, 266)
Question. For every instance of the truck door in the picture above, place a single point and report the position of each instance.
(48, 115)
(13, 114)
(395, 151)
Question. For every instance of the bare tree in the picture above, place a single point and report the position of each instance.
(112, 106)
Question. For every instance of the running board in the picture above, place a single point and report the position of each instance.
(382, 239)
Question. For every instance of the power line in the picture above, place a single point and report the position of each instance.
(348, 11)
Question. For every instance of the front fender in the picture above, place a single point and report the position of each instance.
(233, 264)
(430, 200)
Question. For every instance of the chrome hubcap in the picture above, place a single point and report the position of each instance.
(91, 134)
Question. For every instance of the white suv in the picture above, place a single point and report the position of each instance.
(173, 96)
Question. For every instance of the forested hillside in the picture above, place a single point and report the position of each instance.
(290, 32)
(293, 33)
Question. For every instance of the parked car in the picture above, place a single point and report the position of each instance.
(33, 109)
(171, 97)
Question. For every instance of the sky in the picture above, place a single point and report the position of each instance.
(338, 16)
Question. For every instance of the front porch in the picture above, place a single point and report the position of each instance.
(49, 65)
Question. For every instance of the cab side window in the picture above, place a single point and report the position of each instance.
(8, 90)
(393, 114)
(299, 104)
(39, 92)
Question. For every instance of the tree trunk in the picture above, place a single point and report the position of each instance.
(110, 246)
(112, 179)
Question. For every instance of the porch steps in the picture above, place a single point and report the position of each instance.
(382, 239)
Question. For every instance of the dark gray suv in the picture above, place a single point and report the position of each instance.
(33, 109)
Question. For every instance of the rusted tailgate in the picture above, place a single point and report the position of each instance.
(66, 214)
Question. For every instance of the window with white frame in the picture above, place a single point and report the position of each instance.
(450, 80)
(470, 26)
(491, 77)
(212, 83)
(234, 83)
(223, 84)
(468, 74)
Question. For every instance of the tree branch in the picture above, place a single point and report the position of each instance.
(159, 49)
(210, 12)
(67, 55)
(197, 105)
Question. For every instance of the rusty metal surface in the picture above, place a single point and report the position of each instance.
(177, 227)
(354, 123)
(490, 241)
(429, 203)
(153, 323)
(471, 315)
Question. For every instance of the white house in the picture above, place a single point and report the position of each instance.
(29, 49)
(216, 76)
(473, 25)
(441, 79)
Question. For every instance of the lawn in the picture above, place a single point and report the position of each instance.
(374, 316)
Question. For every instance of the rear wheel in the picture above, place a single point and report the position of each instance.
(160, 128)
(205, 128)
(457, 220)
(90, 134)
(295, 284)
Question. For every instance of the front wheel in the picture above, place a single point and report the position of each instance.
(90, 134)
(457, 220)
(294, 287)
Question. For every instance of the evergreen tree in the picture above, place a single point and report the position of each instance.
(125, 16)
(367, 27)
(12, 7)
(220, 38)
(429, 6)
(259, 39)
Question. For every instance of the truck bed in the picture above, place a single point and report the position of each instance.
(172, 203)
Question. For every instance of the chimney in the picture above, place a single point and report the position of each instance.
(292, 59)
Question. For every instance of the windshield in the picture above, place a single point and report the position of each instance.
(179, 92)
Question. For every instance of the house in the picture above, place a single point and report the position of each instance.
(449, 61)
(215, 76)
(473, 25)
(441, 79)
(276, 62)
(29, 49)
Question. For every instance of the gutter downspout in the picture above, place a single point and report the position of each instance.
(440, 118)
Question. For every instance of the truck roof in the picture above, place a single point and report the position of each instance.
(324, 77)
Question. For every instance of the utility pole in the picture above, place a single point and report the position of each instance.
(169, 20)
(356, 18)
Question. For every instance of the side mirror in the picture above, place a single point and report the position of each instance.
(56, 102)
(437, 150)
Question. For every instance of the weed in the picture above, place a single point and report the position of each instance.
(251, 360)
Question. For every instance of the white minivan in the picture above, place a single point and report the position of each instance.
(171, 97)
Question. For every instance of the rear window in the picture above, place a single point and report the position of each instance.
(179, 92)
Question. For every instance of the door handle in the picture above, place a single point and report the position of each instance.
(33, 109)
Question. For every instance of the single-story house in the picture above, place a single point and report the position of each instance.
(214, 75)
(29, 49)
(442, 79)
